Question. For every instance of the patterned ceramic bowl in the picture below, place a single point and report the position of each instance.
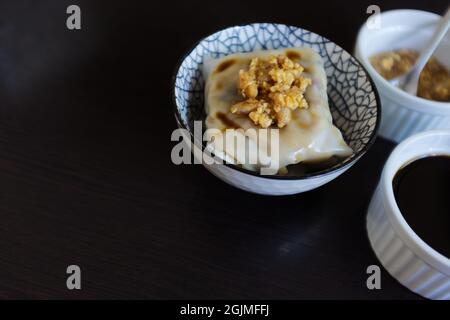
(404, 114)
(352, 96)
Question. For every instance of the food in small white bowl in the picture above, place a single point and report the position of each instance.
(404, 114)
(328, 125)
(407, 219)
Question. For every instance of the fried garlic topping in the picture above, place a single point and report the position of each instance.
(271, 89)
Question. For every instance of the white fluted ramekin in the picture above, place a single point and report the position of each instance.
(403, 114)
(404, 255)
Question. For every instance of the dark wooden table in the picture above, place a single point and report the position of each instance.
(86, 176)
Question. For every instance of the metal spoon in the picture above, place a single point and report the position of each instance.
(409, 81)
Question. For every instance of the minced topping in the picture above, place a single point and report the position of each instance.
(272, 88)
(434, 80)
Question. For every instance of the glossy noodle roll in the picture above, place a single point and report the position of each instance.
(309, 136)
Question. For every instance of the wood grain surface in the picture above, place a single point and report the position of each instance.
(86, 176)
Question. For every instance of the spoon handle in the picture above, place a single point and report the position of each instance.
(434, 41)
(425, 54)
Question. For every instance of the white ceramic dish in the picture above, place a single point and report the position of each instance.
(404, 114)
(407, 257)
(352, 97)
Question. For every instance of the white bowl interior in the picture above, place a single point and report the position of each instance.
(422, 145)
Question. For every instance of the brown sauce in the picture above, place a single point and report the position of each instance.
(293, 55)
(299, 169)
(225, 65)
(305, 168)
(422, 192)
(227, 121)
(219, 85)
